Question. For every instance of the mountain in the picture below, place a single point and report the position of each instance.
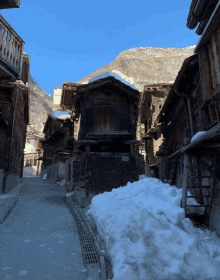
(40, 104)
(138, 66)
(146, 65)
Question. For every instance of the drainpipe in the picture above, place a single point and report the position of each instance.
(189, 109)
(9, 168)
(12, 134)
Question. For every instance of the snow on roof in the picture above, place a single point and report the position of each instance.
(198, 135)
(148, 237)
(118, 75)
(60, 115)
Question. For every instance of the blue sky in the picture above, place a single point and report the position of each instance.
(67, 40)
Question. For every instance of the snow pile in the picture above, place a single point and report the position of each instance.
(118, 75)
(148, 237)
(62, 183)
(70, 194)
(198, 135)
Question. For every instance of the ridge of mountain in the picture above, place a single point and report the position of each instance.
(139, 66)
(146, 65)
(40, 105)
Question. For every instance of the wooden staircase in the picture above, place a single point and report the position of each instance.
(203, 194)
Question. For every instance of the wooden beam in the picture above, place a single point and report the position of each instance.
(185, 180)
(215, 51)
(212, 65)
(205, 75)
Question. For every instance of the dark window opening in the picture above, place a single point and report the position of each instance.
(116, 146)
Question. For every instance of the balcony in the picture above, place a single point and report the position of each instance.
(11, 52)
(5, 112)
(9, 4)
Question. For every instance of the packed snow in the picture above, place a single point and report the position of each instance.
(198, 135)
(148, 237)
(118, 75)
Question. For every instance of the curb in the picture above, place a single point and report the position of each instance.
(95, 242)
(8, 201)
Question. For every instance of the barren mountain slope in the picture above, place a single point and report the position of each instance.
(40, 104)
(146, 65)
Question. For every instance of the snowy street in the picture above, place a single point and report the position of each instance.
(39, 239)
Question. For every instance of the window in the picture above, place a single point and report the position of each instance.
(106, 118)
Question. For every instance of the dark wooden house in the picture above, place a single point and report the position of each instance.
(153, 99)
(14, 100)
(58, 143)
(105, 112)
(192, 166)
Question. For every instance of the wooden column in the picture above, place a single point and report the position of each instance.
(185, 180)
(212, 65)
(205, 74)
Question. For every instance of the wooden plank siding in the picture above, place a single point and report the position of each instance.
(206, 80)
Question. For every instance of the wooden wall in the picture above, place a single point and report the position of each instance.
(209, 63)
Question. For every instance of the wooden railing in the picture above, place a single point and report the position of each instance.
(11, 50)
(8, 4)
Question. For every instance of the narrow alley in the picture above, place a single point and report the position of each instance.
(39, 239)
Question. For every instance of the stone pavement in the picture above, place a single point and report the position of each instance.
(39, 239)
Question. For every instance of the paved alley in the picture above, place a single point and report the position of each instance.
(39, 239)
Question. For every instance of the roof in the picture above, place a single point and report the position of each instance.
(185, 75)
(210, 140)
(200, 11)
(209, 29)
(108, 81)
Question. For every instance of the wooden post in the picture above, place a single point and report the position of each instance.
(215, 56)
(212, 65)
(87, 149)
(185, 180)
(205, 75)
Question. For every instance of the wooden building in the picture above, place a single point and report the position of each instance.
(14, 100)
(192, 166)
(57, 144)
(153, 99)
(105, 118)
(204, 153)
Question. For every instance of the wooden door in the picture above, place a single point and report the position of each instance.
(105, 172)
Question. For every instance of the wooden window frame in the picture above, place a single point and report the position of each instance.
(96, 103)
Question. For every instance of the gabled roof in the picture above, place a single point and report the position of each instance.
(109, 82)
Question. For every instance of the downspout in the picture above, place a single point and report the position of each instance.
(189, 109)
(13, 126)
(9, 168)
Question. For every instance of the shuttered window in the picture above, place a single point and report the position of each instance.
(106, 118)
